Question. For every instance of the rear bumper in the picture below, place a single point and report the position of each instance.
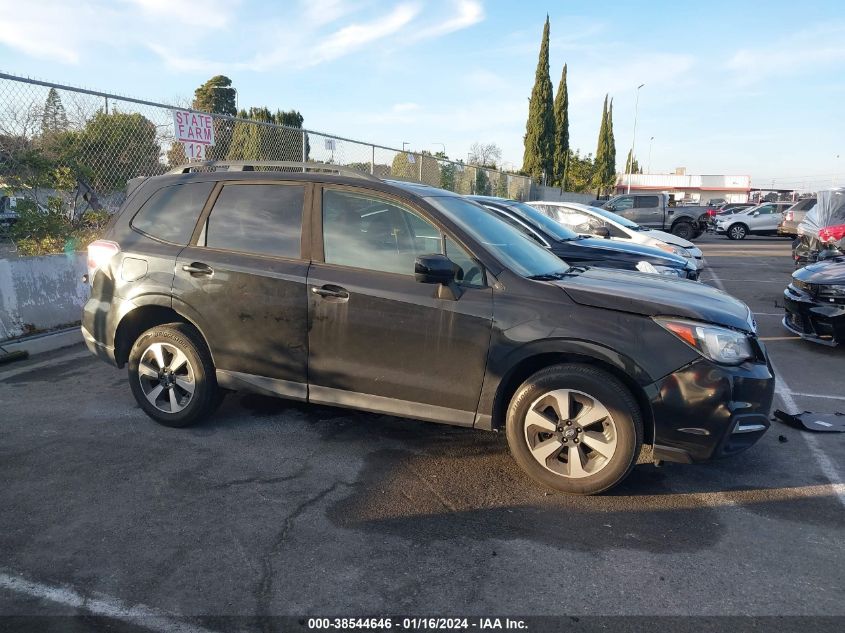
(811, 319)
(704, 411)
(100, 350)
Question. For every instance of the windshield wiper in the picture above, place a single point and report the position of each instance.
(555, 276)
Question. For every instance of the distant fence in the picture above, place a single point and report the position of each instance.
(553, 194)
(51, 134)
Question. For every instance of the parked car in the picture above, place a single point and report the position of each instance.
(821, 234)
(793, 216)
(815, 302)
(578, 250)
(723, 210)
(588, 220)
(408, 300)
(652, 210)
(762, 219)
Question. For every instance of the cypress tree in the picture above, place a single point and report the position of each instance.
(540, 127)
(602, 148)
(561, 109)
(54, 117)
(611, 154)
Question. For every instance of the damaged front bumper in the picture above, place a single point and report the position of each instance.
(812, 319)
(704, 410)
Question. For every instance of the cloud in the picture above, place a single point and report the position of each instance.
(210, 14)
(356, 36)
(811, 50)
(405, 107)
(469, 12)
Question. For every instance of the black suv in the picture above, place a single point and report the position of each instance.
(403, 299)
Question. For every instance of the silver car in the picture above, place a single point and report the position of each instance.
(760, 220)
(793, 216)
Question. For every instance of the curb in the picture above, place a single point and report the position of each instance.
(46, 342)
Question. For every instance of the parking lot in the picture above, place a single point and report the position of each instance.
(280, 508)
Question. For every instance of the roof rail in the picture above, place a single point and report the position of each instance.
(250, 165)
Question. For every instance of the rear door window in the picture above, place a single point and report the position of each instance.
(171, 212)
(261, 219)
(646, 202)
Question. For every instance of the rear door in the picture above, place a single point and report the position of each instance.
(647, 211)
(242, 281)
(378, 339)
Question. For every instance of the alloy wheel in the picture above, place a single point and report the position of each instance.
(570, 433)
(166, 377)
(737, 232)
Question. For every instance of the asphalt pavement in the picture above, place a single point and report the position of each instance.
(279, 508)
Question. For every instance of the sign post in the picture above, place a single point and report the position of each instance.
(195, 131)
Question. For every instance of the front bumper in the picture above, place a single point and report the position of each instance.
(704, 410)
(813, 319)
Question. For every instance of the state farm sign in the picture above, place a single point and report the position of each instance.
(195, 132)
(191, 127)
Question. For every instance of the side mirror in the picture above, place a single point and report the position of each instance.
(434, 269)
(602, 231)
(755, 214)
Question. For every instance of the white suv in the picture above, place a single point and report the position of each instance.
(760, 220)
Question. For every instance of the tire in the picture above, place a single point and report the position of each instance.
(164, 392)
(737, 231)
(683, 229)
(539, 436)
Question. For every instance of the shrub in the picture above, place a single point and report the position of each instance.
(44, 232)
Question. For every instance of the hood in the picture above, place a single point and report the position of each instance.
(640, 251)
(653, 295)
(663, 236)
(831, 271)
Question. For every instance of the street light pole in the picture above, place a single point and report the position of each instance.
(404, 143)
(634, 140)
(650, 143)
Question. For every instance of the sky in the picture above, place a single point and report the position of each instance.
(730, 87)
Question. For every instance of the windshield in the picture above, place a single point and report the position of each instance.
(609, 215)
(540, 220)
(513, 249)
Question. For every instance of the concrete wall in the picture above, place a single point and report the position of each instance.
(41, 292)
(553, 194)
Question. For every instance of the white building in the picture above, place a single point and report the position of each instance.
(685, 187)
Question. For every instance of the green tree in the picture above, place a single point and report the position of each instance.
(538, 158)
(502, 185)
(217, 96)
(604, 171)
(54, 117)
(579, 175)
(631, 164)
(423, 167)
(448, 171)
(254, 141)
(561, 109)
(118, 147)
(482, 182)
(611, 141)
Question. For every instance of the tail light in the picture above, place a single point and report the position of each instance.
(99, 254)
(832, 233)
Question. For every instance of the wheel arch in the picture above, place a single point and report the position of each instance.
(536, 359)
(148, 312)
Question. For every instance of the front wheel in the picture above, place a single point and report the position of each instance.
(574, 428)
(172, 376)
(737, 232)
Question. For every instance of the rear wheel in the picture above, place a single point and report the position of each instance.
(737, 231)
(574, 428)
(171, 375)
(683, 229)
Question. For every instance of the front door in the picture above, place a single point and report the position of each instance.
(243, 284)
(379, 340)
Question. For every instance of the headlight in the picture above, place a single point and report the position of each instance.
(648, 267)
(716, 343)
(835, 291)
(675, 250)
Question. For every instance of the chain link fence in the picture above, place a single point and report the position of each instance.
(53, 136)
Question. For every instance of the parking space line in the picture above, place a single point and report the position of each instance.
(817, 395)
(783, 392)
(44, 364)
(99, 605)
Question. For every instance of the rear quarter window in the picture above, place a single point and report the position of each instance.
(647, 202)
(171, 212)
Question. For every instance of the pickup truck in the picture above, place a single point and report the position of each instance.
(653, 211)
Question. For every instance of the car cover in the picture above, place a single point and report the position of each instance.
(829, 211)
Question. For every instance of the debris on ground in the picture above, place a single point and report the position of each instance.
(809, 421)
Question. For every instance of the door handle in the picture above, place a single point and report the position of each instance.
(197, 268)
(331, 292)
